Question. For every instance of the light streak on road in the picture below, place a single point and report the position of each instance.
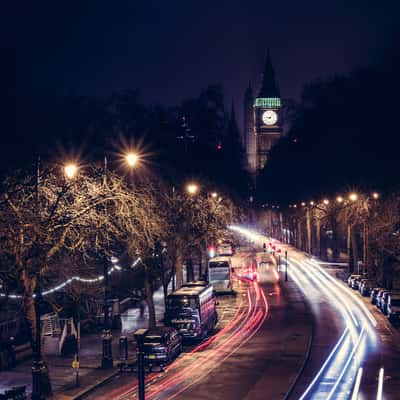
(380, 385)
(337, 376)
(356, 389)
(194, 366)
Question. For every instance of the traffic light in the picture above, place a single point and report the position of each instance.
(211, 251)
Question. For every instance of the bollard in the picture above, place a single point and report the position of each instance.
(286, 258)
(123, 348)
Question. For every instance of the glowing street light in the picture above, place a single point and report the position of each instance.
(311, 203)
(131, 159)
(303, 204)
(192, 188)
(353, 197)
(375, 195)
(214, 195)
(339, 199)
(326, 201)
(70, 170)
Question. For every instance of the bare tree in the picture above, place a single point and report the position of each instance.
(384, 240)
(44, 219)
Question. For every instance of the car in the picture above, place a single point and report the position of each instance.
(351, 277)
(161, 345)
(374, 294)
(366, 287)
(385, 299)
(393, 308)
(361, 283)
(379, 297)
(355, 282)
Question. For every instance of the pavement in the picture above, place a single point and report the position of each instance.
(62, 375)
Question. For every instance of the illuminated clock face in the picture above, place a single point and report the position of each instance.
(269, 117)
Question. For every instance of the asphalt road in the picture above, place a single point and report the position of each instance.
(256, 353)
(355, 350)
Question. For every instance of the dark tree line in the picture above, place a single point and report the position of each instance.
(198, 138)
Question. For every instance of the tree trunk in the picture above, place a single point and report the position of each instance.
(335, 244)
(31, 318)
(308, 223)
(165, 282)
(281, 238)
(179, 270)
(318, 237)
(354, 246)
(299, 243)
(365, 248)
(150, 301)
(189, 270)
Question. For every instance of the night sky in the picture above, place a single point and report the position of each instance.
(171, 50)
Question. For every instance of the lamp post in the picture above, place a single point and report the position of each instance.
(139, 336)
(41, 387)
(132, 159)
(107, 358)
(286, 267)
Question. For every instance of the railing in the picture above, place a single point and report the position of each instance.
(50, 324)
(9, 328)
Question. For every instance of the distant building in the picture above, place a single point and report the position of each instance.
(262, 120)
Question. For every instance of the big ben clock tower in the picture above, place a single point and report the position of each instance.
(267, 120)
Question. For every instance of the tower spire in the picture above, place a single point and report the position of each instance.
(269, 87)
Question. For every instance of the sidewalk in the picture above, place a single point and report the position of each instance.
(62, 374)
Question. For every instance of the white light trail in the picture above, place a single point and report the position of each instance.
(380, 385)
(338, 344)
(351, 356)
(358, 320)
(356, 389)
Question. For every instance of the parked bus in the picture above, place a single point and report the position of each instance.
(192, 310)
(220, 274)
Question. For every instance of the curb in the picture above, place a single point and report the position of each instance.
(86, 389)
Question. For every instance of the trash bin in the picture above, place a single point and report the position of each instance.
(123, 348)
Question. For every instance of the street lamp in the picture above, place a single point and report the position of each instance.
(353, 196)
(326, 201)
(339, 199)
(70, 170)
(375, 195)
(214, 195)
(192, 188)
(132, 159)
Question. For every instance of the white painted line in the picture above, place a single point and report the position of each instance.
(380, 385)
